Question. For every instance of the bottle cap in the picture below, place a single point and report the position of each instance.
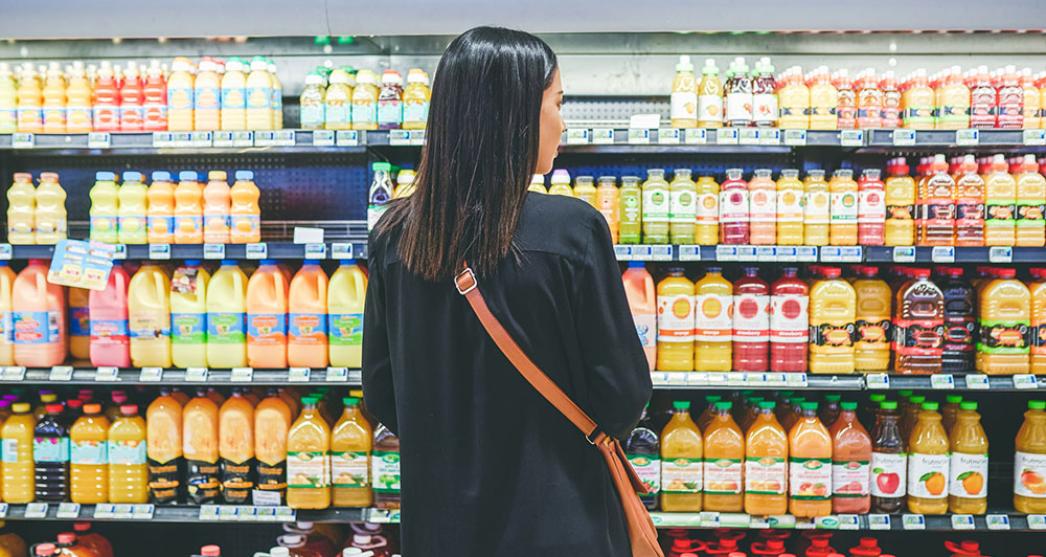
(877, 397)
(349, 401)
(210, 551)
(767, 405)
(66, 538)
(968, 405)
(636, 265)
(833, 397)
(54, 408)
(808, 405)
(20, 407)
(131, 176)
(953, 399)
(128, 409)
(724, 405)
(228, 262)
(188, 176)
(81, 526)
(45, 549)
(930, 406)
(93, 408)
(848, 405)
(104, 176)
(1032, 405)
(888, 405)
(217, 176)
(681, 404)
(244, 175)
(917, 399)
(161, 176)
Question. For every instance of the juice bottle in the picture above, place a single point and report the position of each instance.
(816, 209)
(789, 322)
(960, 325)
(843, 193)
(682, 206)
(244, 212)
(277, 96)
(236, 448)
(724, 453)
(131, 213)
(919, 325)
(200, 447)
(954, 102)
(794, 99)
(766, 464)
(681, 462)
(561, 183)
(789, 208)
(166, 466)
(851, 459)
(105, 205)
(37, 318)
(656, 207)
(132, 99)
(128, 472)
(969, 204)
(1038, 320)
(1029, 467)
(738, 89)
(79, 323)
(93, 541)
(917, 103)
(684, 95)
(630, 216)
(160, 211)
(351, 444)
(889, 464)
(900, 204)
(18, 470)
(259, 96)
(809, 465)
(8, 100)
(891, 114)
(872, 347)
(385, 469)
(869, 101)
(585, 190)
(234, 95)
(713, 307)
(154, 98)
(1031, 198)
(365, 101)
(968, 470)
(405, 184)
(675, 322)
(1011, 100)
(751, 329)
(345, 299)
(608, 203)
(216, 204)
(833, 303)
(21, 210)
(1005, 317)
(189, 315)
(313, 105)
(1000, 191)
(51, 455)
(267, 317)
(110, 338)
(733, 209)
(307, 344)
(764, 95)
(272, 422)
(50, 217)
(643, 448)
(89, 457)
(308, 460)
(871, 209)
(180, 91)
(936, 222)
(226, 317)
(983, 100)
(762, 195)
(390, 101)
(188, 209)
(149, 317)
(643, 303)
(416, 100)
(824, 101)
(928, 463)
(847, 107)
(1032, 100)
(30, 101)
(710, 97)
(207, 96)
(537, 184)
(53, 94)
(7, 279)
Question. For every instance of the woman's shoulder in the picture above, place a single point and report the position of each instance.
(559, 224)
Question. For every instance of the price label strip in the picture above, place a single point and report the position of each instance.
(877, 381)
(977, 382)
(241, 375)
(942, 381)
(36, 510)
(904, 254)
(299, 374)
(196, 374)
(603, 136)
(107, 374)
(963, 522)
(61, 373)
(160, 252)
(913, 522)
(13, 373)
(997, 521)
(257, 251)
(1025, 381)
(337, 375)
(795, 138)
(68, 510)
(669, 136)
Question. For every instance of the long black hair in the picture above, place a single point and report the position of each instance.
(480, 152)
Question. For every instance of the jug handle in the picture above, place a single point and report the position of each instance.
(158, 284)
(651, 293)
(361, 283)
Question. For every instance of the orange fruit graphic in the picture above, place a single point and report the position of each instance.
(935, 484)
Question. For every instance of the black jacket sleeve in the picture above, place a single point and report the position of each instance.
(378, 389)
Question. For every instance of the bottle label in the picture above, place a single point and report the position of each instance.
(234, 97)
(675, 318)
(236, 480)
(723, 476)
(900, 212)
(831, 335)
(226, 328)
(763, 205)
(817, 208)
(844, 207)
(682, 208)
(160, 227)
(655, 205)
(646, 328)
(1000, 210)
(969, 475)
(927, 475)
(365, 113)
(789, 320)
(789, 205)
(332, 113)
(93, 453)
(1029, 474)
(1011, 107)
(350, 469)
(751, 318)
(266, 329)
(871, 206)
(766, 475)
(258, 97)
(415, 112)
(346, 329)
(126, 452)
(918, 337)
(51, 449)
(707, 208)
(9, 450)
(810, 479)
(7, 329)
(109, 330)
(648, 468)
(307, 328)
(385, 471)
(714, 322)
(308, 469)
(245, 225)
(390, 112)
(79, 322)
(272, 477)
(733, 205)
(131, 224)
(850, 478)
(207, 98)
(739, 107)
(874, 333)
(764, 107)
(1030, 213)
(179, 98)
(312, 116)
(684, 105)
(201, 480)
(103, 225)
(710, 108)
(681, 475)
(188, 328)
(889, 474)
(36, 327)
(1003, 338)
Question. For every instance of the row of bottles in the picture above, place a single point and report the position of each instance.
(347, 99)
(36, 214)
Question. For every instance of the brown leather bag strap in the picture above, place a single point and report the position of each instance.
(468, 287)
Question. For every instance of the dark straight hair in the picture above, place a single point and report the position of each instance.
(481, 148)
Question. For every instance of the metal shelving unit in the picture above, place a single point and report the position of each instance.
(81, 375)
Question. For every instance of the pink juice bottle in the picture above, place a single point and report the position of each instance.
(110, 340)
(733, 208)
(789, 322)
(762, 198)
(38, 318)
(751, 322)
(871, 208)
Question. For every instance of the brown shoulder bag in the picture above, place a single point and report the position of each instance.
(641, 530)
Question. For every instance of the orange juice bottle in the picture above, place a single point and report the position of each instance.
(244, 213)
(1005, 315)
(307, 321)
(200, 447)
(809, 465)
(724, 453)
(267, 317)
(30, 101)
(710, 97)
(968, 470)
(766, 464)
(1038, 320)
(824, 101)
(675, 322)
(215, 208)
(308, 459)
(816, 209)
(128, 474)
(1031, 198)
(19, 485)
(89, 457)
(969, 204)
(164, 449)
(833, 304)
(607, 202)
(900, 204)
(272, 422)
(351, 445)
(713, 306)
(789, 208)
(236, 448)
(188, 209)
(872, 349)
(681, 464)
(160, 213)
(1000, 204)
(1029, 475)
(794, 98)
(706, 231)
(843, 195)
(928, 463)
(936, 221)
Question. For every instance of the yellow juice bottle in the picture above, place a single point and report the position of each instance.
(365, 101)
(89, 456)
(928, 463)
(180, 91)
(1037, 287)
(259, 114)
(872, 349)
(766, 464)
(706, 231)
(843, 194)
(724, 454)
(1031, 199)
(789, 208)
(19, 484)
(585, 189)
(30, 101)
(345, 298)
(824, 101)
(794, 98)
(351, 445)
(560, 183)
(681, 462)
(227, 317)
(537, 184)
(189, 315)
(8, 100)
(1005, 313)
(308, 459)
(816, 209)
(675, 322)
(900, 204)
(713, 327)
(1029, 468)
(684, 95)
(968, 470)
(337, 101)
(21, 210)
(608, 202)
(1000, 204)
(416, 99)
(50, 223)
(149, 316)
(833, 303)
(131, 222)
(128, 472)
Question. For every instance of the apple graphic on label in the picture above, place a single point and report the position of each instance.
(888, 482)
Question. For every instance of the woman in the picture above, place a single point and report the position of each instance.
(489, 468)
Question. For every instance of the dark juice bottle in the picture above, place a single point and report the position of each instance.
(643, 448)
(919, 326)
(829, 409)
(51, 455)
(889, 463)
(959, 321)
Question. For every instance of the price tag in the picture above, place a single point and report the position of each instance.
(851, 138)
(399, 137)
(315, 251)
(265, 513)
(341, 251)
(642, 253)
(603, 136)
(262, 498)
(904, 254)
(224, 138)
(669, 136)
(765, 253)
(726, 136)
(709, 519)
(697, 378)
(181, 139)
(68, 510)
(999, 254)
(690, 253)
(913, 522)
(578, 136)
(967, 137)
(61, 373)
(735, 379)
(754, 379)
(695, 136)
(243, 139)
(36, 510)
(877, 381)
(1037, 521)
(963, 522)
(746, 253)
(13, 373)
(943, 254)
(769, 136)
(795, 138)
(622, 252)
(805, 524)
(241, 375)
(977, 382)
(638, 136)
(23, 140)
(104, 511)
(830, 254)
(201, 139)
(726, 253)
(417, 138)
(942, 381)
(747, 136)
(264, 138)
(6, 252)
(228, 512)
(903, 137)
(208, 513)
(1025, 381)
(151, 375)
(119, 251)
(827, 522)
(797, 380)
(161, 139)
(347, 138)
(196, 374)
(660, 253)
(3, 510)
(997, 521)
(287, 514)
(781, 521)
(759, 522)
(337, 374)
(107, 374)
(246, 513)
(284, 138)
(849, 522)
(99, 140)
(256, 251)
(160, 251)
(1035, 137)
(716, 378)
(786, 254)
(323, 138)
(299, 374)
(214, 251)
(806, 253)
(143, 512)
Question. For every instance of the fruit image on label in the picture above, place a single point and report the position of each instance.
(675, 318)
(889, 474)
(707, 208)
(850, 479)
(648, 468)
(969, 473)
(681, 475)
(723, 476)
(810, 478)
(927, 476)
(714, 317)
(1029, 477)
(766, 476)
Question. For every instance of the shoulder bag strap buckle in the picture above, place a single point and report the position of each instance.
(465, 281)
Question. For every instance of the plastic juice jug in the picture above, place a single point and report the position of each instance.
(739, 100)
(93, 541)
(969, 204)
(160, 211)
(847, 107)
(149, 316)
(216, 206)
(207, 96)
(889, 464)
(8, 100)
(851, 459)
(188, 209)
(1029, 476)
(105, 206)
(682, 206)
(900, 205)
(30, 101)
(234, 96)
(110, 339)
(713, 332)
(734, 209)
(959, 320)
(816, 209)
(724, 454)
(794, 99)
(844, 209)
(1005, 316)
(1011, 100)
(259, 96)
(277, 97)
(643, 303)
(871, 209)
(789, 215)
(416, 100)
(630, 216)
(919, 325)
(766, 464)
(245, 214)
(226, 317)
(51, 455)
(365, 101)
(809, 465)
(762, 195)
(21, 210)
(983, 100)
(655, 207)
(164, 449)
(872, 347)
(307, 344)
(642, 446)
(351, 444)
(272, 422)
(128, 474)
(833, 304)
(869, 101)
(308, 460)
(267, 317)
(751, 328)
(824, 101)
(236, 449)
(936, 222)
(789, 322)
(345, 298)
(50, 217)
(1038, 320)
(38, 318)
(1032, 100)
(684, 95)
(968, 471)
(189, 315)
(585, 190)
(131, 212)
(953, 102)
(917, 102)
(89, 456)
(681, 462)
(18, 468)
(1000, 192)
(154, 95)
(7, 280)
(132, 99)
(385, 469)
(710, 97)
(78, 317)
(675, 322)
(928, 463)
(1031, 198)
(390, 100)
(180, 96)
(200, 447)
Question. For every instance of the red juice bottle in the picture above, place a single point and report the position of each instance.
(751, 322)
(918, 326)
(132, 109)
(871, 208)
(154, 94)
(889, 463)
(984, 101)
(847, 110)
(1011, 100)
(106, 103)
(733, 208)
(789, 322)
(851, 459)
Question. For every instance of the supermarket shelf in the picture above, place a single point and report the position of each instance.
(70, 375)
(829, 254)
(264, 250)
(295, 141)
(176, 514)
(994, 521)
(697, 380)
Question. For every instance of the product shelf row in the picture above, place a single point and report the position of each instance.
(81, 375)
(159, 252)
